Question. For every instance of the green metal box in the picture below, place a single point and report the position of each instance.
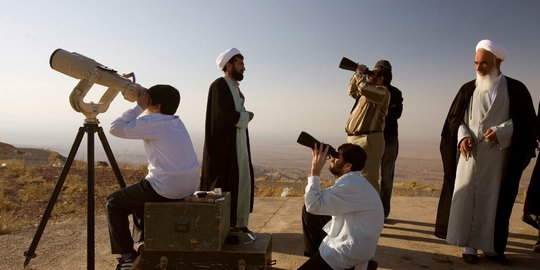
(246, 255)
(187, 225)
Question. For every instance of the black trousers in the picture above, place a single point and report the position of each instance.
(532, 200)
(124, 202)
(313, 233)
(315, 262)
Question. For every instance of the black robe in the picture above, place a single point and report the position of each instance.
(219, 164)
(521, 151)
(532, 200)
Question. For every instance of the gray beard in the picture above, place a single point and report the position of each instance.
(485, 83)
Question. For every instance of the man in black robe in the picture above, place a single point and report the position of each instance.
(226, 156)
(531, 209)
(522, 147)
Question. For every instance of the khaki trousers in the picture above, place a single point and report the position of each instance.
(373, 145)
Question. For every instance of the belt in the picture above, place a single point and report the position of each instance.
(359, 133)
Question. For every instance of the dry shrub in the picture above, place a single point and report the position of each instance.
(414, 189)
(266, 192)
(13, 168)
(8, 222)
(34, 189)
(287, 187)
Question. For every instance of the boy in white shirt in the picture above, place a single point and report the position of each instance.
(173, 169)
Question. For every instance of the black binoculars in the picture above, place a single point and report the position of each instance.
(348, 64)
(307, 140)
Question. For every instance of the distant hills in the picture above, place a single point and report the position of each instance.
(31, 156)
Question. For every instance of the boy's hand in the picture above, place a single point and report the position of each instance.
(143, 99)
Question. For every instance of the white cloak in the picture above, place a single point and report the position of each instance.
(476, 189)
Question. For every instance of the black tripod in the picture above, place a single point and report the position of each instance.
(91, 128)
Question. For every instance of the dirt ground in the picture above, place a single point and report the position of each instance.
(406, 243)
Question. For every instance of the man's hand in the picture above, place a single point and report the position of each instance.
(361, 68)
(319, 158)
(491, 137)
(466, 147)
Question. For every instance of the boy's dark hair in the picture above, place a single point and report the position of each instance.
(167, 96)
(354, 155)
(232, 61)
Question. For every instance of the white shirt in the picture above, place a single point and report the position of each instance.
(173, 169)
(357, 219)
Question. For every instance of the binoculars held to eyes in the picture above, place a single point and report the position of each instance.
(348, 64)
(307, 140)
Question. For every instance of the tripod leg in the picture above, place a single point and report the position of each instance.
(90, 221)
(110, 156)
(30, 253)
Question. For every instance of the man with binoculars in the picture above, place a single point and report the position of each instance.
(365, 125)
(355, 208)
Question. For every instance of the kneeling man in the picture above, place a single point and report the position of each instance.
(355, 206)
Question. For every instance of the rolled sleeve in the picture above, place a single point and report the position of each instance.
(504, 133)
(243, 120)
(462, 134)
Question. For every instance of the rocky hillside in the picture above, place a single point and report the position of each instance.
(31, 156)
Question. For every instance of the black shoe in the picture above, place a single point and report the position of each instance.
(470, 258)
(127, 263)
(241, 229)
(500, 259)
(531, 219)
(245, 230)
(372, 265)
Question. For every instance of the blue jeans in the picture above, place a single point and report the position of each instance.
(388, 163)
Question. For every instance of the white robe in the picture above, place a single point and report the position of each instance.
(244, 175)
(476, 189)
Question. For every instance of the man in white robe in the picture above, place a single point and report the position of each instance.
(485, 178)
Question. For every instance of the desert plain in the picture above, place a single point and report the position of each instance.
(407, 240)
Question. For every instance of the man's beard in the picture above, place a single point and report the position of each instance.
(237, 75)
(337, 169)
(485, 83)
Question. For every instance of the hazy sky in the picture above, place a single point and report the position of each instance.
(292, 50)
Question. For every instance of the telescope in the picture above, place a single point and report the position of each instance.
(349, 64)
(307, 140)
(90, 72)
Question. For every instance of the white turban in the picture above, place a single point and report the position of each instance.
(225, 56)
(494, 48)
